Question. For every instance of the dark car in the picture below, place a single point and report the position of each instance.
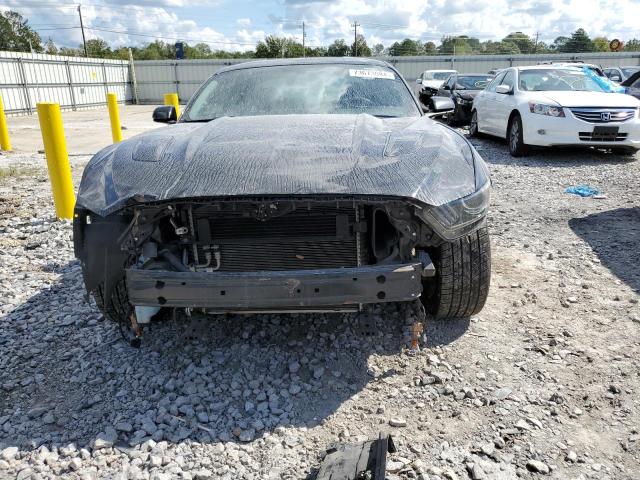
(462, 89)
(620, 74)
(632, 85)
(289, 185)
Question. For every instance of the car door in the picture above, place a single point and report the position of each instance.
(446, 88)
(486, 107)
(505, 103)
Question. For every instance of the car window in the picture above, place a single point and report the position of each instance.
(628, 71)
(303, 89)
(472, 82)
(509, 79)
(495, 82)
(636, 84)
(451, 82)
(557, 79)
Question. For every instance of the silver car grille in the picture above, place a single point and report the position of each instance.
(604, 115)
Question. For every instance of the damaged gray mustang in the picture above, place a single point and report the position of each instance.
(290, 186)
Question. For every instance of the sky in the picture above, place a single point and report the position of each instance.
(239, 24)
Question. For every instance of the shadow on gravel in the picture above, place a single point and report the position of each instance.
(547, 157)
(68, 377)
(614, 236)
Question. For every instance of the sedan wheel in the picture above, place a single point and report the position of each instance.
(473, 125)
(517, 147)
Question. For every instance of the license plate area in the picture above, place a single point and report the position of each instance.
(604, 134)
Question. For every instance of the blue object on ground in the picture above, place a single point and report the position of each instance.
(582, 190)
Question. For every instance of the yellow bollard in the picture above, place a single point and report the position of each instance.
(55, 149)
(114, 116)
(5, 142)
(172, 99)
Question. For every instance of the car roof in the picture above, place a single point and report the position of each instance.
(306, 61)
(549, 66)
(439, 71)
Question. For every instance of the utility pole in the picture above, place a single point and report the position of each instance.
(355, 38)
(303, 35)
(84, 41)
(535, 45)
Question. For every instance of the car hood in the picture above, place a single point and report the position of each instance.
(467, 94)
(432, 83)
(412, 157)
(586, 99)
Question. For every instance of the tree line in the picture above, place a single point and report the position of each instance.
(17, 35)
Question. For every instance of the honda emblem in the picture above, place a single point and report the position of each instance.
(605, 116)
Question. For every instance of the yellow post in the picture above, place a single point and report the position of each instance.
(5, 142)
(114, 116)
(172, 99)
(55, 149)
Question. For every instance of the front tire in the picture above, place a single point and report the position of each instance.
(624, 151)
(473, 125)
(116, 307)
(517, 147)
(463, 276)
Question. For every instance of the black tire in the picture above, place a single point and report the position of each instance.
(452, 118)
(517, 147)
(115, 308)
(473, 125)
(463, 276)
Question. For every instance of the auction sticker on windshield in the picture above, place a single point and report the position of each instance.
(362, 73)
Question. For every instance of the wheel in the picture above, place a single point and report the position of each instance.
(473, 125)
(451, 118)
(517, 147)
(116, 307)
(463, 275)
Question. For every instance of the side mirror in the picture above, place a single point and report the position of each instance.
(440, 106)
(503, 89)
(165, 114)
(419, 81)
(446, 87)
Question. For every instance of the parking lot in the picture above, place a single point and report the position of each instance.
(543, 383)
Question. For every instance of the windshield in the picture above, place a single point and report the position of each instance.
(438, 75)
(557, 79)
(629, 71)
(473, 82)
(303, 89)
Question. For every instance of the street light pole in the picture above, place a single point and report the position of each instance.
(84, 41)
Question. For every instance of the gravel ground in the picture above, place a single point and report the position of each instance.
(543, 383)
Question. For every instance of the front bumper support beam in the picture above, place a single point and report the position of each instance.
(268, 290)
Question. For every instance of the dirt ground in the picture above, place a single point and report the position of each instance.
(544, 382)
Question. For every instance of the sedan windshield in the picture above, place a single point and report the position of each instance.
(628, 71)
(472, 82)
(303, 89)
(557, 79)
(438, 75)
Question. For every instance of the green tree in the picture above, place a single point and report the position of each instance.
(50, 48)
(16, 35)
(378, 49)
(406, 47)
(632, 45)
(523, 42)
(500, 48)
(579, 42)
(70, 52)
(430, 48)
(559, 44)
(338, 48)
(156, 50)
(278, 47)
(461, 45)
(97, 48)
(600, 44)
(359, 48)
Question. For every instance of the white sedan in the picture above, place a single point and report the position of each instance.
(548, 105)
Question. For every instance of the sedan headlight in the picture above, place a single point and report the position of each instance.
(465, 101)
(542, 109)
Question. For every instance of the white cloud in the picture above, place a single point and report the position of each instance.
(239, 25)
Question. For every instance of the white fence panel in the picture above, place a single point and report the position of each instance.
(73, 82)
(157, 77)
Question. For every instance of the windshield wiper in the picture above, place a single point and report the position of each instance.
(205, 120)
(382, 115)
